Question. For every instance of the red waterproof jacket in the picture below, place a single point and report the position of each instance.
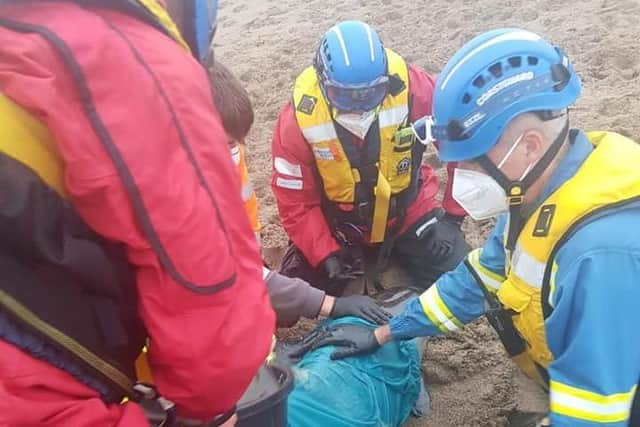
(147, 164)
(300, 211)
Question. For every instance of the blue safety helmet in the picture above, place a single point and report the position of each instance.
(352, 67)
(201, 21)
(491, 80)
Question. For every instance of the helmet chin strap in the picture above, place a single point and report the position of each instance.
(516, 189)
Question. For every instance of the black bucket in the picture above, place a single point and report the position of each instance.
(264, 404)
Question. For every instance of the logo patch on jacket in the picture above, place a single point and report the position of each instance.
(307, 104)
(403, 166)
(543, 224)
(323, 153)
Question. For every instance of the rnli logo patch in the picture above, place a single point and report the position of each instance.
(403, 166)
(307, 104)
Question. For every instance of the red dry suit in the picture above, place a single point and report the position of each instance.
(145, 164)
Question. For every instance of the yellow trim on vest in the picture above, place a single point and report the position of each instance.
(382, 193)
(339, 179)
(614, 157)
(589, 406)
(161, 14)
(28, 141)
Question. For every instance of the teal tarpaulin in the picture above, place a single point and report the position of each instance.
(377, 390)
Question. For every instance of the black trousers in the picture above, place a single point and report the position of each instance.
(416, 250)
(420, 251)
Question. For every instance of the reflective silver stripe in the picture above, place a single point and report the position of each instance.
(343, 46)
(235, 154)
(424, 226)
(247, 192)
(326, 132)
(265, 272)
(291, 184)
(285, 167)
(372, 52)
(393, 116)
(527, 267)
(320, 133)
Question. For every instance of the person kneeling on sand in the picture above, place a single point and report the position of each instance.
(348, 173)
(558, 277)
(291, 298)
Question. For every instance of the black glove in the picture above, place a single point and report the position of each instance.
(455, 220)
(350, 340)
(442, 236)
(360, 306)
(337, 270)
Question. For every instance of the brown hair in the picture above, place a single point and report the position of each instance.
(232, 101)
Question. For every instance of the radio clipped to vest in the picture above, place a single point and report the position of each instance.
(501, 321)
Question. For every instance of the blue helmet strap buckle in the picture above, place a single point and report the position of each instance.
(516, 190)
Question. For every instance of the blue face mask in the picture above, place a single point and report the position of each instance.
(201, 20)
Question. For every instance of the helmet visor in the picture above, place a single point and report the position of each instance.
(356, 98)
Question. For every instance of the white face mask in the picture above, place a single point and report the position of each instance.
(357, 124)
(479, 194)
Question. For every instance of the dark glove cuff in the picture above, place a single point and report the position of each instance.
(454, 219)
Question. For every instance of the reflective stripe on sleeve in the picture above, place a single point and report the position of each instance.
(437, 311)
(589, 406)
(492, 281)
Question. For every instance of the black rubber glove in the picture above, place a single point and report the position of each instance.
(360, 306)
(442, 236)
(453, 219)
(306, 344)
(336, 270)
(349, 340)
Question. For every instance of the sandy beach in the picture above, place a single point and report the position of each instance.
(267, 43)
